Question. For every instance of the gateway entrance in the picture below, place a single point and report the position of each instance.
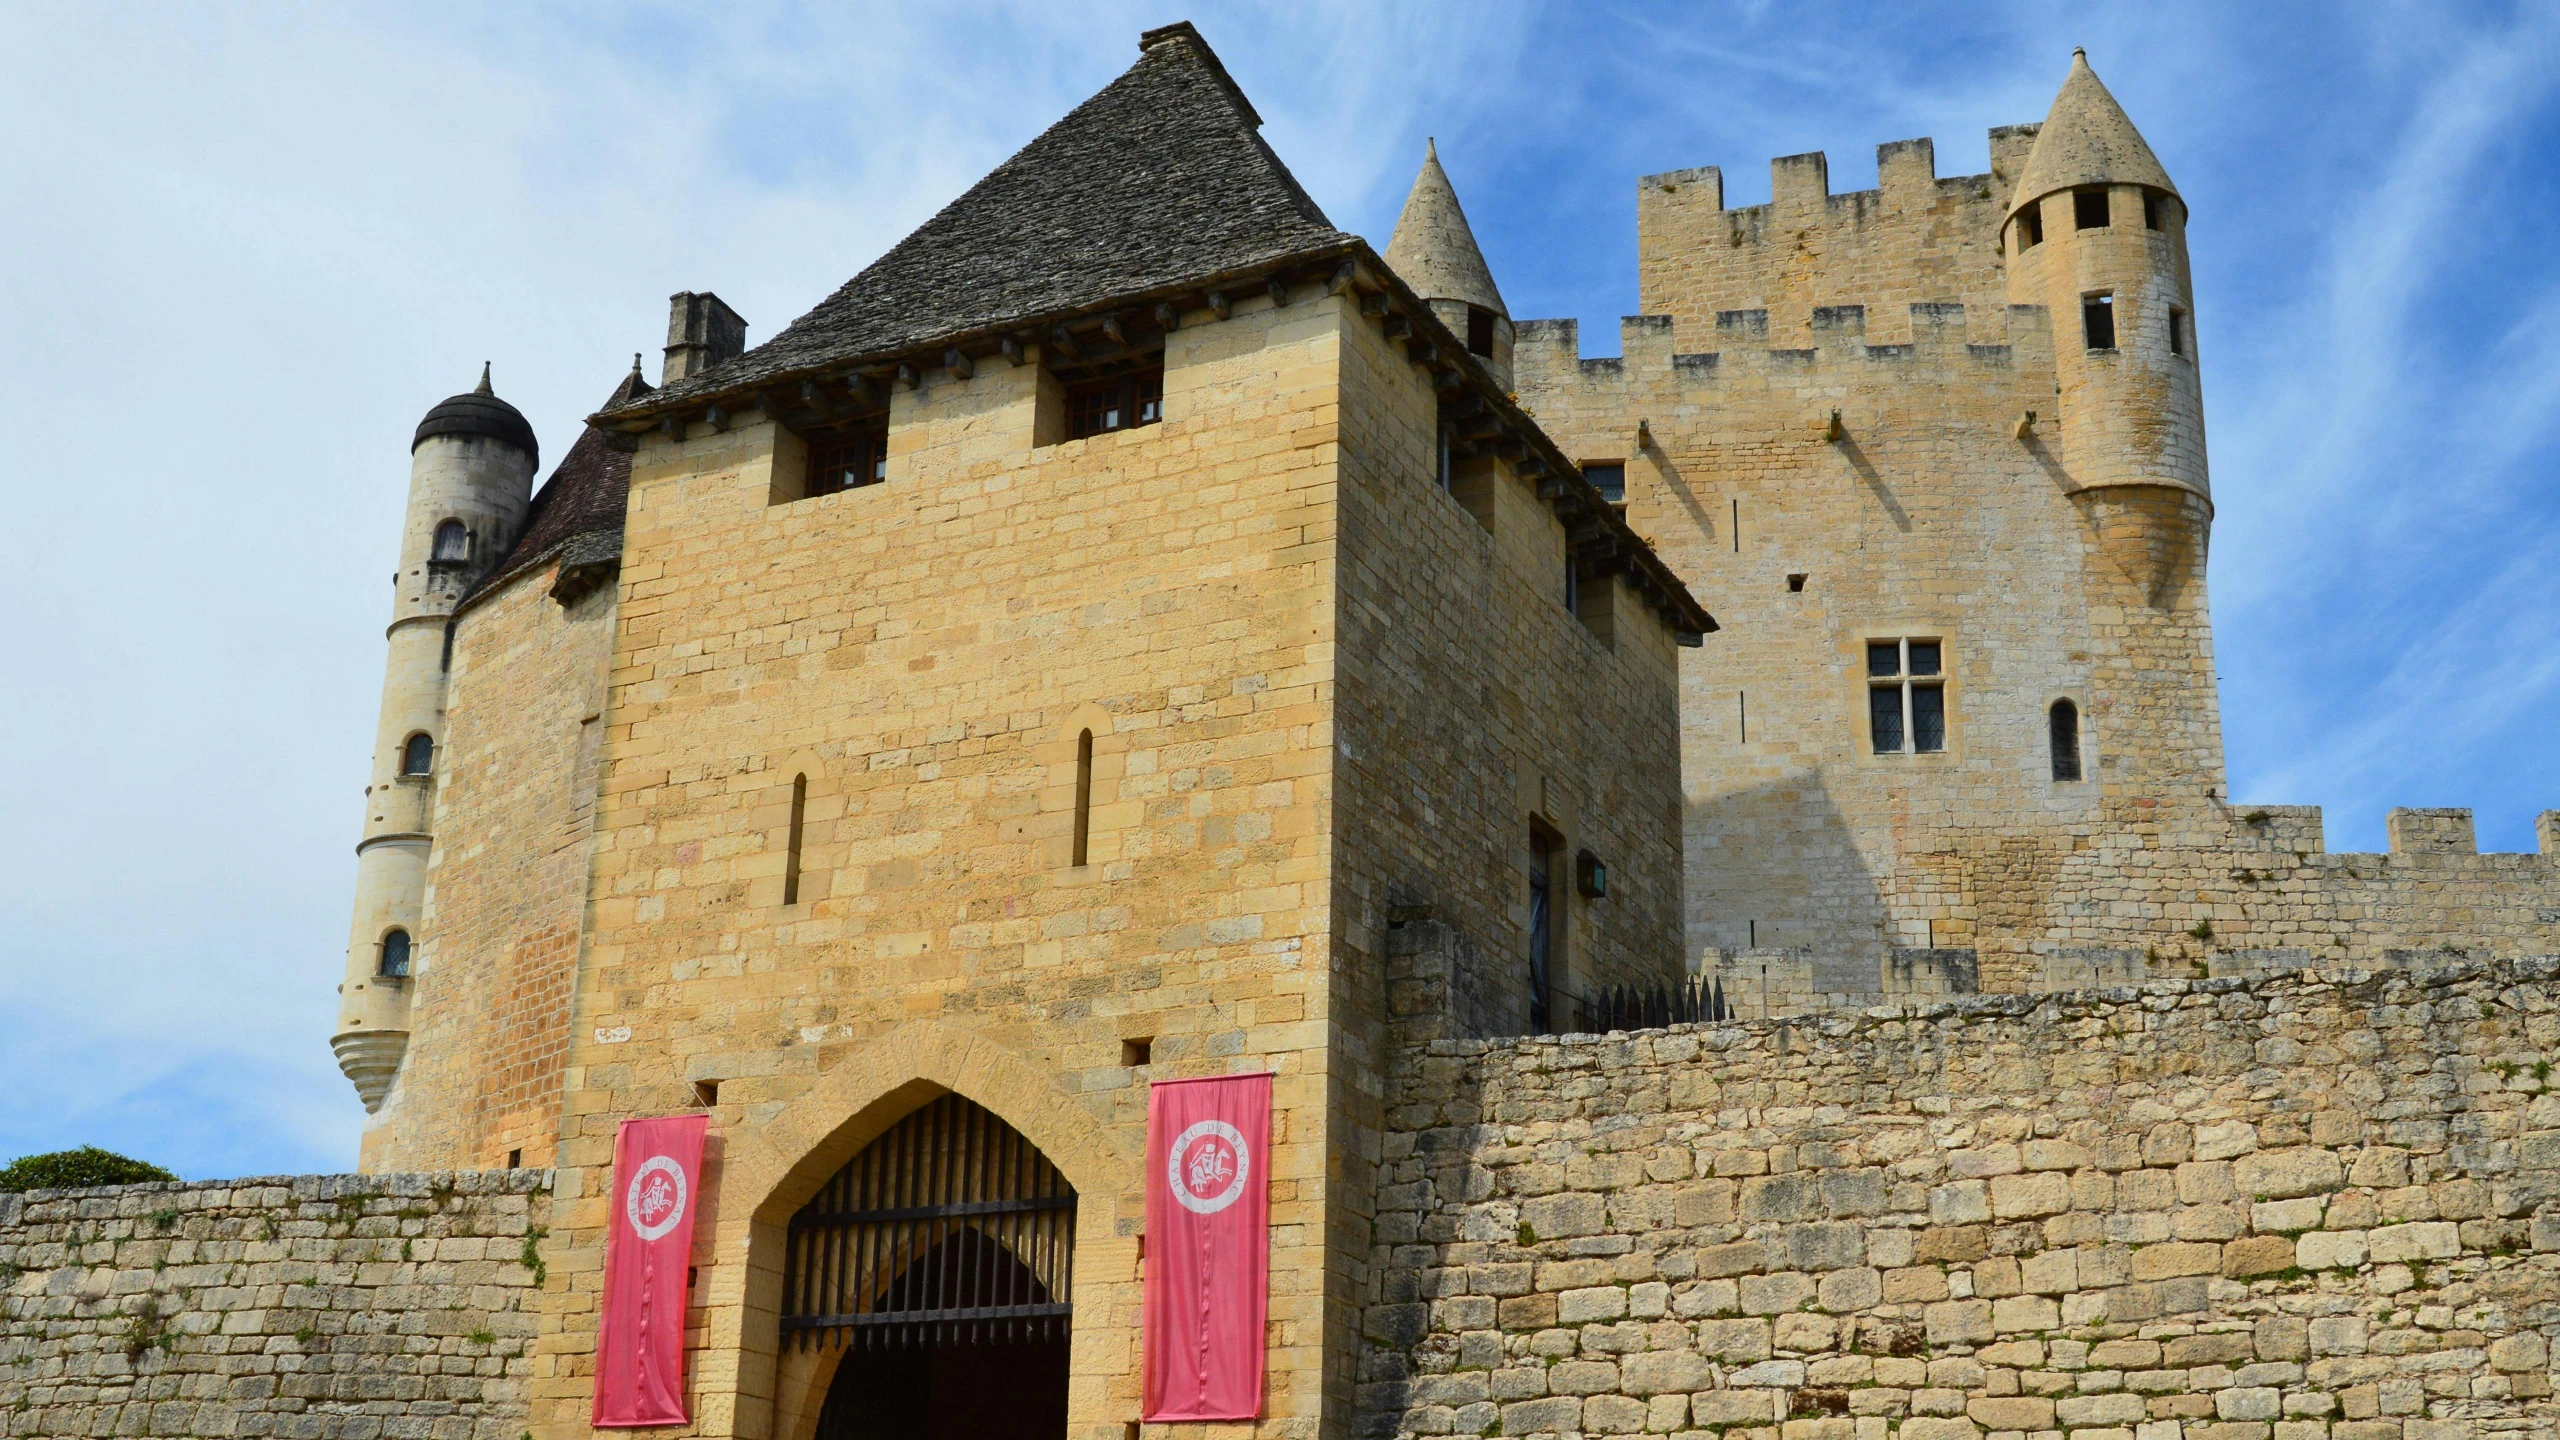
(940, 1262)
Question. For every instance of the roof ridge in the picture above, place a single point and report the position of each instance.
(1160, 177)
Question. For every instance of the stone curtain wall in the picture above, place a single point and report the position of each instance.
(2315, 1206)
(316, 1306)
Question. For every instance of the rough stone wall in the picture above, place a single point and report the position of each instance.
(2322, 1206)
(333, 1307)
(506, 887)
(927, 651)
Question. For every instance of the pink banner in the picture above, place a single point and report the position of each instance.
(1208, 1247)
(657, 1185)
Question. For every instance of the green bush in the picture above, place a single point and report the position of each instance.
(71, 1169)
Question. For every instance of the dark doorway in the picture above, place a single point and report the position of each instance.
(994, 1380)
(940, 1260)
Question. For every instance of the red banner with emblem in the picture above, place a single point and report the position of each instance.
(657, 1187)
(1208, 1289)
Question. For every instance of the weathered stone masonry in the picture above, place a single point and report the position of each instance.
(2314, 1206)
(320, 1306)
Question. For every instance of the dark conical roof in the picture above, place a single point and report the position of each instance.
(479, 412)
(1159, 180)
(581, 507)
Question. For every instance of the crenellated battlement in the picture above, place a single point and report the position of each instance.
(1733, 344)
(1917, 237)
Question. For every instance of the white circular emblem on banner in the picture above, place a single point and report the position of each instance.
(655, 1201)
(1207, 1166)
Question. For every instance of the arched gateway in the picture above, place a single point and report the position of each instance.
(939, 1261)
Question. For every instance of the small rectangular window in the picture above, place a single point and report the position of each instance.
(2089, 207)
(2150, 210)
(1609, 477)
(1906, 697)
(1137, 1052)
(1884, 718)
(1116, 402)
(2098, 321)
(1928, 719)
(2177, 331)
(1572, 584)
(848, 459)
(2030, 226)
(1447, 461)
(1479, 331)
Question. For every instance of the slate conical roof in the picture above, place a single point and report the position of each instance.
(480, 412)
(2087, 140)
(1433, 249)
(1160, 179)
(580, 509)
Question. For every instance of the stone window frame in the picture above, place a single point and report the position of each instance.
(408, 753)
(1949, 644)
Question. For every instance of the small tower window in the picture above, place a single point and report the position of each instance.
(2063, 721)
(2089, 207)
(2177, 331)
(2030, 226)
(1572, 583)
(394, 962)
(453, 542)
(2150, 210)
(2098, 321)
(1446, 458)
(1479, 331)
(418, 756)
(1609, 477)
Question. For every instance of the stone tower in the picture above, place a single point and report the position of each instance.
(471, 469)
(2096, 234)
(1435, 252)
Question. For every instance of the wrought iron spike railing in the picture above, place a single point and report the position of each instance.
(1697, 1000)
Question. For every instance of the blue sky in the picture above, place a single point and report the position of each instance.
(250, 245)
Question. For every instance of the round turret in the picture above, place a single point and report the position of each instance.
(1434, 251)
(471, 468)
(481, 413)
(2096, 233)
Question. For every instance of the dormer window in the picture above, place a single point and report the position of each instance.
(452, 542)
(1124, 401)
(1479, 331)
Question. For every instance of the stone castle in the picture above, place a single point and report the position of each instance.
(1136, 630)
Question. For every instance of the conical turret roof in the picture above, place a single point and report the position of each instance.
(479, 412)
(1433, 250)
(2087, 140)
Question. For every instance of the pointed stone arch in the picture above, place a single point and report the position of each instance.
(770, 1170)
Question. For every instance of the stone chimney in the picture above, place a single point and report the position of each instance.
(701, 332)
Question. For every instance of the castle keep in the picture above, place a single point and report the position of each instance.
(1134, 630)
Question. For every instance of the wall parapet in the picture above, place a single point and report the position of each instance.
(314, 1305)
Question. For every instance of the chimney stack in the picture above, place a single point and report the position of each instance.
(701, 332)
